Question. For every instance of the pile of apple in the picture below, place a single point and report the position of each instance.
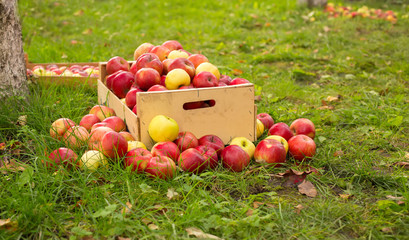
(71, 71)
(365, 12)
(163, 67)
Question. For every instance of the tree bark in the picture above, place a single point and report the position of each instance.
(13, 73)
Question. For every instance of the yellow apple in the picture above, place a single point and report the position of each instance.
(177, 54)
(208, 67)
(176, 79)
(260, 128)
(162, 128)
(135, 144)
(280, 139)
(92, 160)
(245, 144)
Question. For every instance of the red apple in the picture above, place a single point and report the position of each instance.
(225, 79)
(141, 49)
(102, 111)
(270, 151)
(96, 134)
(135, 109)
(76, 137)
(166, 149)
(160, 51)
(266, 119)
(281, 129)
(238, 81)
(205, 79)
(100, 124)
(172, 45)
(131, 96)
(197, 59)
(157, 88)
(301, 147)
(115, 64)
(113, 145)
(191, 160)
(138, 158)
(163, 80)
(235, 158)
(303, 126)
(127, 135)
(210, 155)
(88, 121)
(212, 141)
(184, 64)
(60, 126)
(110, 78)
(161, 167)
(190, 86)
(166, 64)
(147, 60)
(121, 83)
(116, 123)
(62, 156)
(186, 140)
(146, 78)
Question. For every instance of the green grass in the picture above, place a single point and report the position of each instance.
(295, 64)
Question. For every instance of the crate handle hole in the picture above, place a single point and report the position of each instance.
(199, 104)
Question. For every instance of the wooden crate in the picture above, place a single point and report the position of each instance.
(233, 115)
(65, 80)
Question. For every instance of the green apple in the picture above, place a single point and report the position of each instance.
(177, 78)
(162, 128)
(280, 139)
(92, 160)
(260, 128)
(247, 145)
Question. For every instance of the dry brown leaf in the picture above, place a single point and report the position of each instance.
(295, 177)
(79, 12)
(2, 146)
(326, 107)
(267, 24)
(160, 209)
(400, 202)
(22, 120)
(146, 221)
(123, 238)
(127, 209)
(88, 238)
(402, 164)
(298, 208)
(257, 204)
(200, 234)
(241, 61)
(153, 226)
(333, 98)
(387, 229)
(394, 198)
(406, 153)
(237, 72)
(8, 224)
(345, 196)
(12, 166)
(338, 153)
(257, 98)
(249, 212)
(87, 31)
(307, 188)
(326, 29)
(172, 194)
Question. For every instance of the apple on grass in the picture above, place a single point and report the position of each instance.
(147, 60)
(116, 123)
(212, 141)
(100, 124)
(184, 64)
(208, 67)
(76, 137)
(127, 135)
(61, 157)
(245, 144)
(162, 128)
(259, 128)
(146, 78)
(113, 145)
(266, 119)
(102, 111)
(186, 140)
(96, 134)
(115, 64)
(137, 159)
(301, 147)
(205, 79)
(88, 121)
(235, 158)
(160, 51)
(192, 160)
(161, 167)
(141, 49)
(172, 45)
(92, 160)
(210, 155)
(197, 59)
(280, 139)
(60, 126)
(166, 149)
(303, 126)
(177, 78)
(281, 129)
(271, 152)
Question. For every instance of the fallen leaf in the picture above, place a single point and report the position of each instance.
(387, 229)
(257, 204)
(123, 238)
(345, 196)
(8, 224)
(298, 208)
(2, 146)
(12, 166)
(257, 98)
(79, 12)
(393, 197)
(295, 177)
(402, 164)
(87, 31)
(249, 212)
(333, 98)
(146, 221)
(307, 188)
(406, 153)
(172, 194)
(237, 72)
(267, 24)
(326, 107)
(160, 209)
(22, 120)
(153, 226)
(200, 234)
(326, 29)
(338, 153)
(127, 209)
(73, 42)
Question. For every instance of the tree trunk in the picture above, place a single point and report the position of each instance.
(13, 73)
